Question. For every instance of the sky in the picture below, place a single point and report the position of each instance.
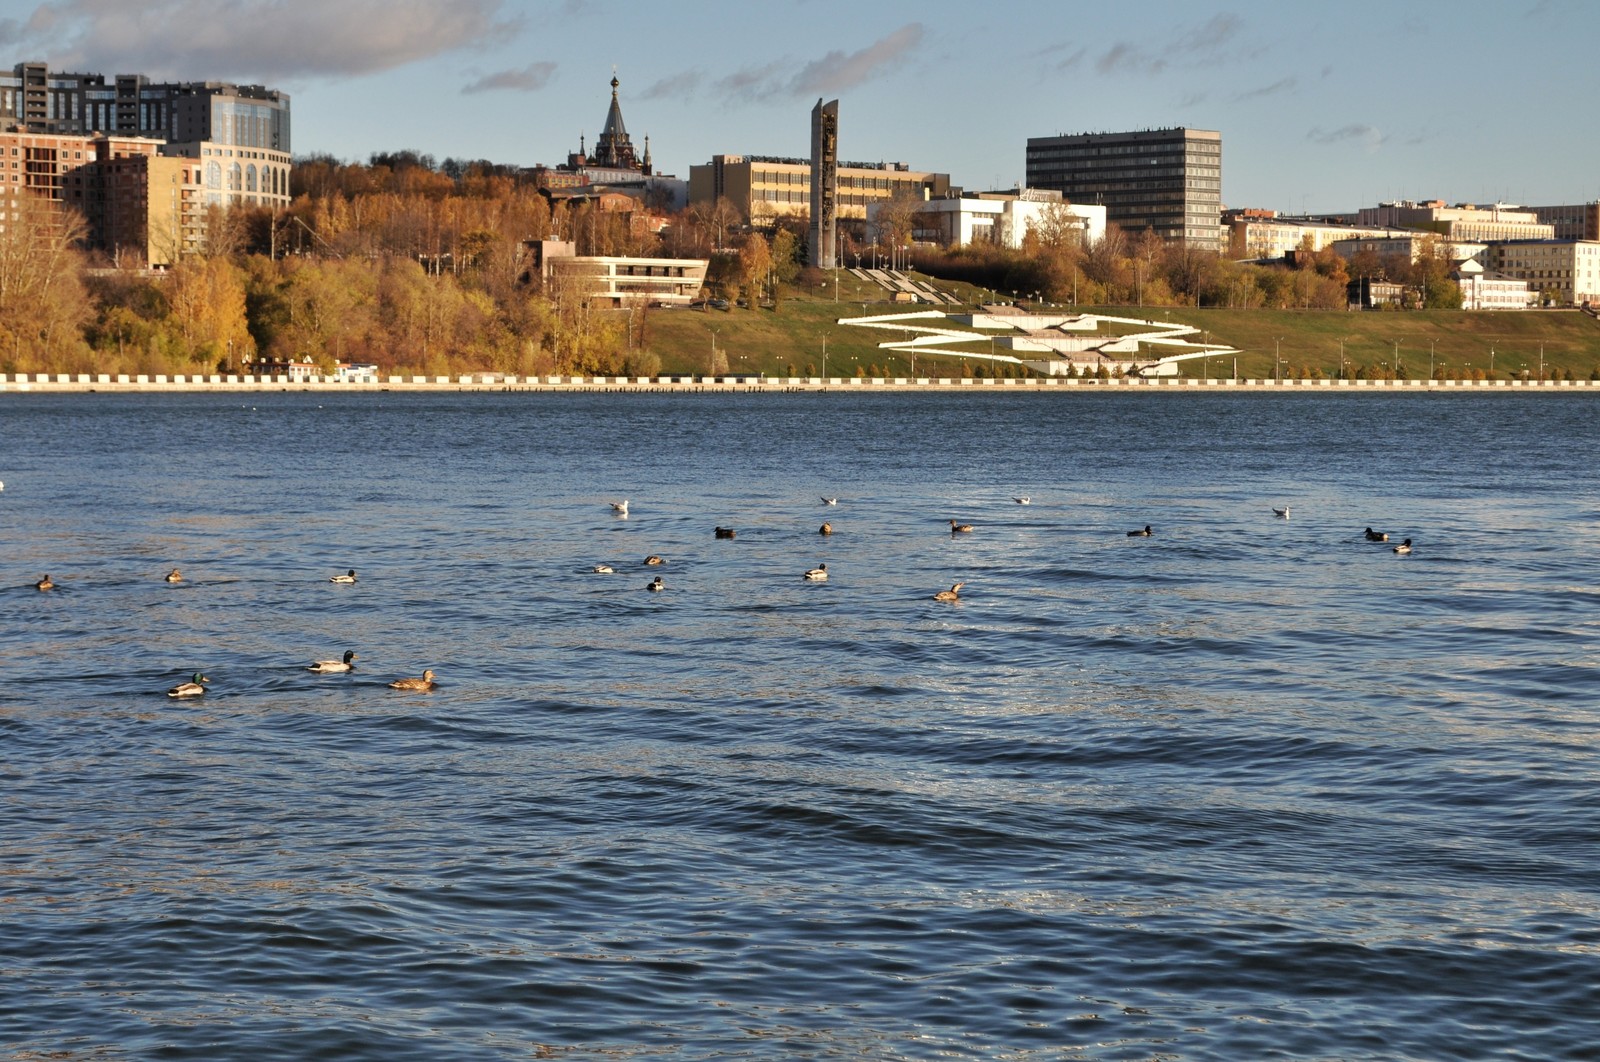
(1323, 107)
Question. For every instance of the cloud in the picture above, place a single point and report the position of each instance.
(198, 39)
(674, 86)
(1287, 84)
(1127, 57)
(752, 83)
(530, 78)
(1216, 40)
(1370, 137)
(838, 71)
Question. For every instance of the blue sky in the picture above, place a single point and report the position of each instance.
(1322, 106)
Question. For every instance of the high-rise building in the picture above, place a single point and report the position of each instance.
(1166, 181)
(825, 184)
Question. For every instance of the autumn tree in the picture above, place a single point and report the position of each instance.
(43, 308)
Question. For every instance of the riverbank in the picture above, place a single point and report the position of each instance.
(52, 383)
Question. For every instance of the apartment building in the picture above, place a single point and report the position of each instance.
(1564, 272)
(1465, 222)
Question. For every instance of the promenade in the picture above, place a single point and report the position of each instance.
(64, 383)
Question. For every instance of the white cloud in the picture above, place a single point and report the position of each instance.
(530, 78)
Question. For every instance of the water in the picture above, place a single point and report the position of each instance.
(1249, 788)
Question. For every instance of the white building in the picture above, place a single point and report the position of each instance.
(1002, 218)
(1563, 272)
(1482, 290)
(622, 281)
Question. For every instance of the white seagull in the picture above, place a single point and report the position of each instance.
(1283, 512)
(830, 501)
(1024, 500)
(621, 507)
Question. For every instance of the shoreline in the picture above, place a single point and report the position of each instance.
(82, 383)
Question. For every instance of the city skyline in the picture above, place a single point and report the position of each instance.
(1320, 111)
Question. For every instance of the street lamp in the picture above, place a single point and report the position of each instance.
(712, 368)
(824, 359)
(1276, 360)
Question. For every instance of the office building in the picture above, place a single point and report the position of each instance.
(1465, 222)
(764, 188)
(1000, 218)
(1166, 181)
(1563, 272)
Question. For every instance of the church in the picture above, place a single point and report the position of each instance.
(616, 166)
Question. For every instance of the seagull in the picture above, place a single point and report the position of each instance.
(1024, 500)
(347, 577)
(334, 667)
(952, 594)
(45, 584)
(193, 688)
(422, 684)
(1404, 547)
(602, 569)
(830, 501)
(819, 574)
(1283, 512)
(723, 532)
(1377, 536)
(620, 507)
(955, 527)
(1146, 533)
(657, 586)
(174, 576)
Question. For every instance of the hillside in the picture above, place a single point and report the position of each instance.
(786, 342)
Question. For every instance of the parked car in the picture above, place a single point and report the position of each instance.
(717, 304)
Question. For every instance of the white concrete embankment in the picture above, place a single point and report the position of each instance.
(46, 383)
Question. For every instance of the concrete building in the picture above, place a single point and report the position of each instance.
(153, 207)
(1167, 181)
(1407, 245)
(1002, 218)
(1463, 221)
(1563, 272)
(1262, 234)
(1579, 221)
(764, 188)
(621, 282)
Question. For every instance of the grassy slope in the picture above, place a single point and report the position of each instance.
(759, 341)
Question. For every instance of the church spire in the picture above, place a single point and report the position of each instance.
(613, 149)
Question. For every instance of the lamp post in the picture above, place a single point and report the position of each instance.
(824, 359)
(1430, 359)
(712, 368)
(1276, 360)
(1342, 374)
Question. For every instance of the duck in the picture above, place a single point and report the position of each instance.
(723, 532)
(174, 576)
(655, 559)
(621, 507)
(830, 501)
(952, 594)
(193, 688)
(819, 574)
(602, 569)
(1377, 536)
(1283, 512)
(1146, 532)
(956, 528)
(334, 667)
(45, 584)
(347, 577)
(1404, 547)
(1024, 500)
(657, 586)
(825, 529)
(420, 684)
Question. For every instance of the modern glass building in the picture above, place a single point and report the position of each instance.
(1168, 181)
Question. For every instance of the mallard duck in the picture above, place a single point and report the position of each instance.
(1024, 500)
(424, 683)
(1145, 533)
(723, 532)
(956, 528)
(825, 529)
(347, 577)
(45, 584)
(621, 507)
(333, 667)
(193, 688)
(1404, 547)
(657, 586)
(602, 569)
(1377, 536)
(174, 576)
(819, 574)
(830, 501)
(952, 594)
(655, 559)
(1283, 512)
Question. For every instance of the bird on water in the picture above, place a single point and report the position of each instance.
(174, 576)
(952, 594)
(193, 688)
(347, 577)
(1146, 532)
(657, 586)
(621, 507)
(1404, 547)
(1024, 500)
(723, 532)
(602, 569)
(956, 528)
(45, 584)
(655, 559)
(421, 684)
(830, 501)
(334, 667)
(1283, 512)
(1377, 536)
(825, 529)
(819, 574)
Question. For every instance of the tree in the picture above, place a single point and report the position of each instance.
(43, 308)
(755, 261)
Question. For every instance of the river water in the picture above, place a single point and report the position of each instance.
(1248, 788)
